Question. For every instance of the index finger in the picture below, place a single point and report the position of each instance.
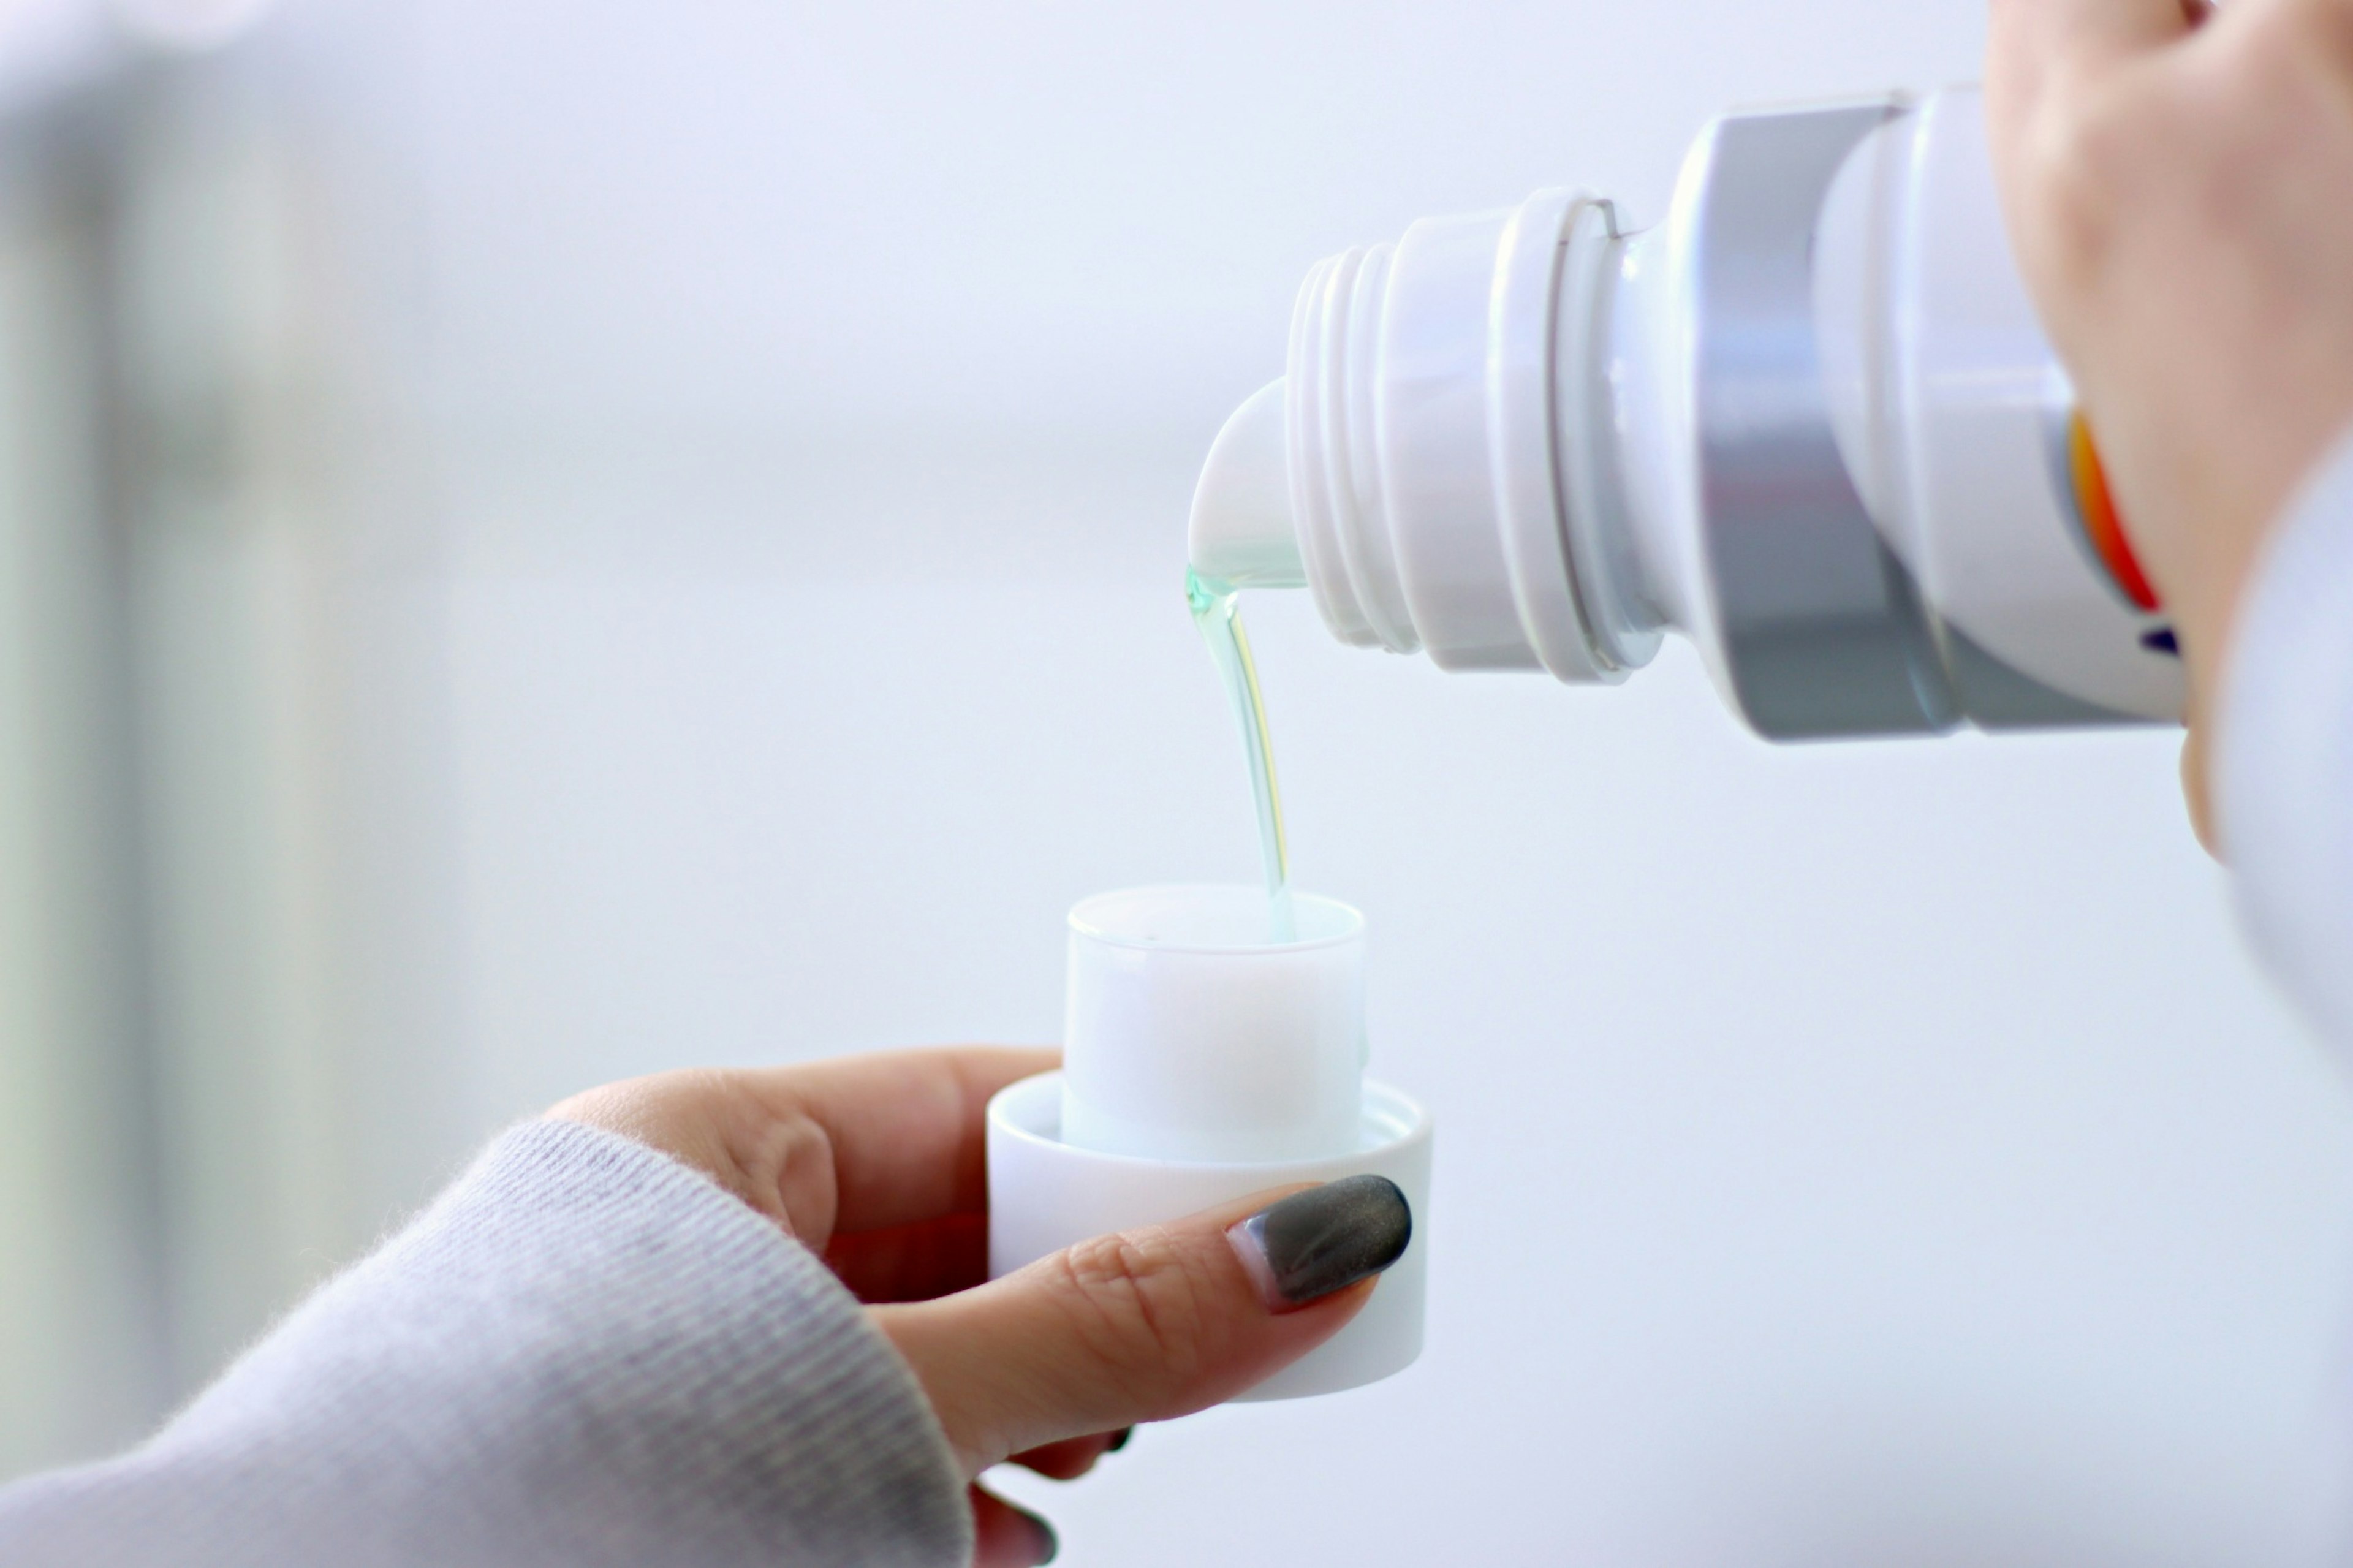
(906, 1129)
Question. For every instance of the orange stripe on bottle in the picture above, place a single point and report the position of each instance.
(2098, 507)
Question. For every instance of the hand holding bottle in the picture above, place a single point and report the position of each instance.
(2178, 182)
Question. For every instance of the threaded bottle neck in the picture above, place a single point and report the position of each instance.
(1440, 416)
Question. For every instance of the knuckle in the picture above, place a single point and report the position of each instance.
(2090, 159)
(1138, 1305)
(2305, 32)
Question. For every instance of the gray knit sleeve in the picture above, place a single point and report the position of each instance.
(583, 1354)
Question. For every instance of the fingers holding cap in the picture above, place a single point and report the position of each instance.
(1149, 1323)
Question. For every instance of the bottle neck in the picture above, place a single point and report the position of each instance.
(1614, 401)
(1480, 448)
(1437, 493)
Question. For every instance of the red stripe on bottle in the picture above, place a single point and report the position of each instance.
(2101, 524)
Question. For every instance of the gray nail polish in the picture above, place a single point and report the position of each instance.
(1326, 1238)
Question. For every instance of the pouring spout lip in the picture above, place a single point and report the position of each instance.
(1240, 534)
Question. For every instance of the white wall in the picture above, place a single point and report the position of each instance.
(1850, 1155)
(1857, 1154)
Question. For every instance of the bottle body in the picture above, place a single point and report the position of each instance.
(1809, 422)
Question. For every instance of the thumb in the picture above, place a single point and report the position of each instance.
(1148, 1324)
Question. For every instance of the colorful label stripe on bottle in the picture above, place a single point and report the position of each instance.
(2096, 510)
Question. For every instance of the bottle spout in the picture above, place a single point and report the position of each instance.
(1241, 533)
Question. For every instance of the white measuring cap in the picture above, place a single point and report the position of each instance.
(1205, 1060)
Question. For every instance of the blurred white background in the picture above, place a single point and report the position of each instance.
(544, 542)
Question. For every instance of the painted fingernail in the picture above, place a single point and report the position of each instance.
(1119, 1439)
(1323, 1239)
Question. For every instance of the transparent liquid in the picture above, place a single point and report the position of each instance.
(1218, 617)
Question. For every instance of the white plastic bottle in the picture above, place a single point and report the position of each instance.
(1810, 422)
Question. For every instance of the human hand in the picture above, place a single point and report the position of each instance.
(2178, 182)
(877, 1163)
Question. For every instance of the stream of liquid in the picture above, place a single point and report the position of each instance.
(1220, 619)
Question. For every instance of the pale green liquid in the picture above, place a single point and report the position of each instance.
(1220, 619)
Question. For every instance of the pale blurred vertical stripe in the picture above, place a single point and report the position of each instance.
(82, 1346)
(180, 1128)
(232, 536)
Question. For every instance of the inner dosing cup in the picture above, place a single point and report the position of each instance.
(1191, 1035)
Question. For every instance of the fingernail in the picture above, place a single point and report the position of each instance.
(1049, 1545)
(1119, 1439)
(1323, 1239)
